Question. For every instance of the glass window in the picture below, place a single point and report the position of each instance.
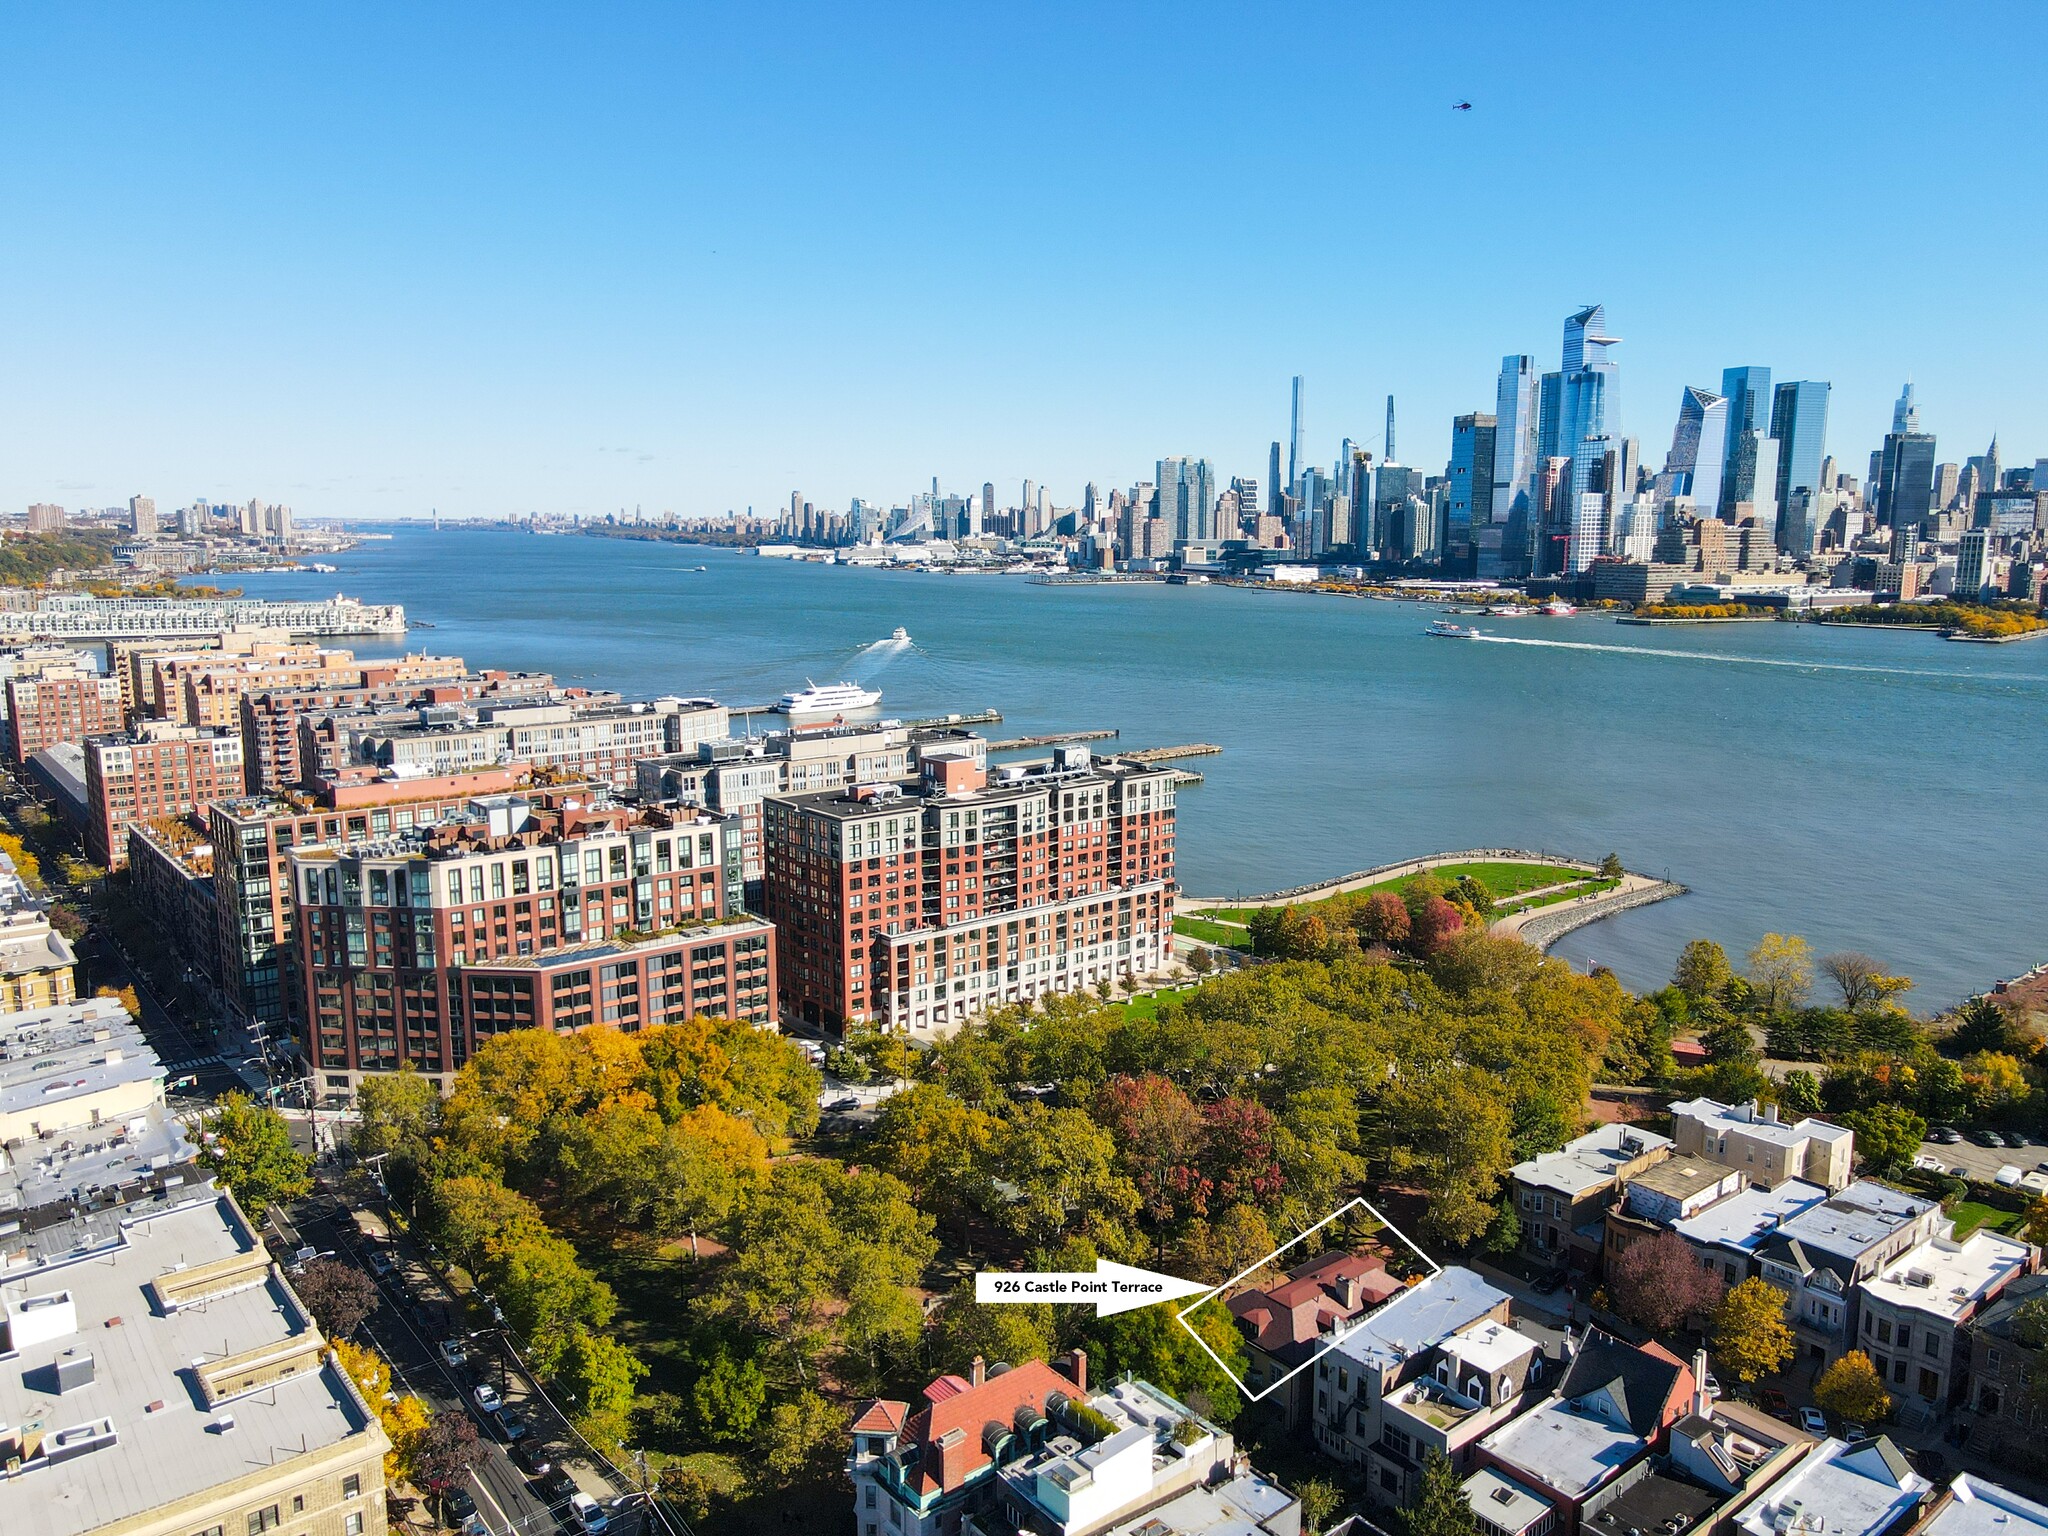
(351, 1486)
(264, 1519)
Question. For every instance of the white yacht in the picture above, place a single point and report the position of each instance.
(832, 699)
(1444, 629)
(900, 635)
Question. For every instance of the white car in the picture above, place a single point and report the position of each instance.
(487, 1397)
(1927, 1164)
(2007, 1176)
(588, 1514)
(454, 1354)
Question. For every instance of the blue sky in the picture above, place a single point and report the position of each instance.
(371, 260)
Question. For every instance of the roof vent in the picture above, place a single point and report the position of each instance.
(74, 1370)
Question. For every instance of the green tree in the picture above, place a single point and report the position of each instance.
(937, 1146)
(1750, 1336)
(547, 1295)
(1852, 1389)
(398, 1111)
(1009, 1335)
(729, 1396)
(1886, 1135)
(1944, 1092)
(1982, 1024)
(1781, 971)
(1504, 1232)
(1319, 1500)
(1440, 1507)
(1064, 1170)
(1702, 970)
(1452, 1133)
(250, 1148)
(803, 1436)
(1150, 1342)
(1799, 1093)
(1610, 867)
(598, 1373)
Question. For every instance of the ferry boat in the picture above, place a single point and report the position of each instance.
(1444, 629)
(832, 699)
(1509, 611)
(1558, 608)
(900, 635)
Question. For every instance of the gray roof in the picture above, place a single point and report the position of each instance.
(1850, 1224)
(69, 1050)
(1420, 1317)
(159, 1440)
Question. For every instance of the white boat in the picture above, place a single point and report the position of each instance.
(900, 635)
(1509, 611)
(1444, 629)
(1558, 608)
(832, 699)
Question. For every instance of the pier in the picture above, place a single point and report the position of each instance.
(1169, 754)
(1055, 739)
(934, 722)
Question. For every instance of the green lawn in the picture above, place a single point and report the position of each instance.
(1502, 881)
(1583, 888)
(1230, 935)
(1971, 1214)
(1147, 1007)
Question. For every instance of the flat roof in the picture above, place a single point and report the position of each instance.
(165, 1442)
(1490, 1347)
(1851, 1222)
(1947, 1278)
(1565, 1449)
(1657, 1500)
(1745, 1218)
(1861, 1488)
(1740, 1117)
(1679, 1177)
(1499, 1500)
(1421, 1317)
(1590, 1160)
(51, 1054)
(1980, 1508)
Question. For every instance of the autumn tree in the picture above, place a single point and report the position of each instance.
(1703, 970)
(397, 1111)
(1658, 1282)
(445, 1452)
(1382, 918)
(1452, 1133)
(1433, 925)
(340, 1296)
(1160, 1136)
(1852, 1389)
(1750, 1336)
(250, 1148)
(1224, 1248)
(1320, 1499)
(1781, 971)
(1886, 1135)
(1237, 1152)
(1861, 980)
(803, 1436)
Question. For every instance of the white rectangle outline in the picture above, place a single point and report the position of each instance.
(1336, 1338)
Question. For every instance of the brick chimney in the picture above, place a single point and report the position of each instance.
(1079, 1370)
(978, 1372)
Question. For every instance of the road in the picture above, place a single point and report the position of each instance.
(405, 1329)
(1983, 1163)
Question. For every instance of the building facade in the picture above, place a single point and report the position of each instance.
(158, 771)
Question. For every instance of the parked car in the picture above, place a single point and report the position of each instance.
(2018, 1139)
(510, 1425)
(1987, 1138)
(382, 1264)
(845, 1102)
(1773, 1402)
(587, 1514)
(487, 1397)
(1945, 1135)
(454, 1354)
(531, 1457)
(1927, 1164)
(1813, 1421)
(554, 1486)
(457, 1505)
(1547, 1282)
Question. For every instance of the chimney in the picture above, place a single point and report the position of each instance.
(1080, 1370)
(978, 1372)
(1770, 1114)
(1701, 1403)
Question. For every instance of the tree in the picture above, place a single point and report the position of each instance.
(1702, 970)
(1750, 1336)
(1799, 1093)
(1150, 1342)
(399, 1111)
(729, 1396)
(1996, 1083)
(2035, 1227)
(250, 1148)
(1452, 1133)
(1064, 1170)
(1861, 980)
(446, 1452)
(548, 1296)
(1852, 1389)
(1440, 1507)
(936, 1145)
(339, 1295)
(1781, 971)
(1504, 1232)
(403, 1416)
(1982, 1024)
(1222, 1249)
(1237, 1152)
(803, 1436)
(1886, 1135)
(688, 1490)
(1009, 1335)
(1435, 924)
(598, 1373)
(1657, 1283)
(1382, 918)
(1319, 1500)
(1159, 1135)
(1610, 867)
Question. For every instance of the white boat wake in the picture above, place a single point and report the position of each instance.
(1762, 661)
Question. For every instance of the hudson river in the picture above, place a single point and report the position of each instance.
(1872, 791)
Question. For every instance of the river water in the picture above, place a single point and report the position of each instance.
(1870, 790)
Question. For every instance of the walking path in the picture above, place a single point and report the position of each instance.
(1546, 925)
(1365, 877)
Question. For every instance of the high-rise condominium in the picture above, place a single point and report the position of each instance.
(1799, 422)
(142, 516)
(1698, 450)
(1474, 444)
(1187, 499)
(1748, 392)
(1294, 462)
(1581, 416)
(1514, 469)
(1389, 453)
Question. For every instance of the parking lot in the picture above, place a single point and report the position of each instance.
(1967, 1160)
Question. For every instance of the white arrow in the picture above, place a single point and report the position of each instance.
(1112, 1288)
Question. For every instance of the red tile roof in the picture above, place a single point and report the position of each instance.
(996, 1400)
(881, 1416)
(1311, 1301)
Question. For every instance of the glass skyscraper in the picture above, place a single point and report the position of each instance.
(1469, 507)
(1514, 436)
(1589, 421)
(1799, 421)
(1748, 393)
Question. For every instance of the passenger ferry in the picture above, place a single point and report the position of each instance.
(1444, 629)
(832, 699)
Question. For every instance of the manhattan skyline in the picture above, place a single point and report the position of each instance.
(386, 265)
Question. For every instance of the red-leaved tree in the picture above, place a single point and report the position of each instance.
(1434, 925)
(1239, 1156)
(1160, 1137)
(1659, 1282)
(1382, 918)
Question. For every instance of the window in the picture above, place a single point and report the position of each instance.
(351, 1486)
(261, 1520)
(868, 1496)
(353, 1525)
(298, 1503)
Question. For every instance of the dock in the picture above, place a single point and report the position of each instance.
(1170, 754)
(1055, 739)
(934, 722)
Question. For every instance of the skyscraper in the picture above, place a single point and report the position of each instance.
(1294, 462)
(1906, 414)
(1029, 499)
(988, 504)
(1474, 443)
(1905, 491)
(1514, 440)
(1799, 421)
(1201, 501)
(1389, 454)
(1698, 446)
(142, 516)
(1748, 392)
(1589, 419)
(1276, 488)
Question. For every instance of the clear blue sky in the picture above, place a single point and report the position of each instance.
(371, 260)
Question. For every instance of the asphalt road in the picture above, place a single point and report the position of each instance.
(1983, 1163)
(403, 1330)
